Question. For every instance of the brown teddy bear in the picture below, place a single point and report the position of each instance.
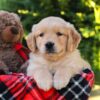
(12, 52)
(3, 68)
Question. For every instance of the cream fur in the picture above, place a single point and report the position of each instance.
(49, 72)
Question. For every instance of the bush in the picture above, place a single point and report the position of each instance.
(84, 14)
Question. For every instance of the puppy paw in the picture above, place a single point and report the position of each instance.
(60, 80)
(44, 83)
(43, 80)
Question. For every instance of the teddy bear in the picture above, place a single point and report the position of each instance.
(12, 53)
(3, 68)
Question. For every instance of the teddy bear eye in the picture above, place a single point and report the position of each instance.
(41, 34)
(59, 34)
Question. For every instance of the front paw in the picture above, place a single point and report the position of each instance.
(60, 80)
(44, 80)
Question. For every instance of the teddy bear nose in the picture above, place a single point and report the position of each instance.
(14, 30)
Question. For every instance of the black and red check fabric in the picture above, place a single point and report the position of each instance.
(22, 51)
(17, 86)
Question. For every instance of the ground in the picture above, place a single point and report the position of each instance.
(95, 94)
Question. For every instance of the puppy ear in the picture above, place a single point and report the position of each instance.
(21, 31)
(73, 39)
(31, 41)
(21, 37)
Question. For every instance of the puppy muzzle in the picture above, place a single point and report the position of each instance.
(49, 47)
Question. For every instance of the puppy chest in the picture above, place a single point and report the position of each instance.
(12, 59)
(52, 68)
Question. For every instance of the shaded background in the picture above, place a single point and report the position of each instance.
(84, 14)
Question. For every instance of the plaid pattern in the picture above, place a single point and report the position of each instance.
(21, 87)
(79, 87)
(22, 51)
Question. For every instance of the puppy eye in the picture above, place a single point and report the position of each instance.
(41, 34)
(59, 34)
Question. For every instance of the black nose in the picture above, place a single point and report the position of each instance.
(49, 46)
(14, 30)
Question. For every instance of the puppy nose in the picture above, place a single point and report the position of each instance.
(14, 30)
(49, 45)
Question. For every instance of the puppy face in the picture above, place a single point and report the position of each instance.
(53, 37)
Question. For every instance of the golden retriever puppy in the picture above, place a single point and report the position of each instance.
(54, 58)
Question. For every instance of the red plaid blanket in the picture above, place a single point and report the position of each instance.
(16, 86)
(22, 51)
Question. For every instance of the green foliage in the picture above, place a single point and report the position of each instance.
(84, 14)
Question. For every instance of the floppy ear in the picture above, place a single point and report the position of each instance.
(21, 33)
(73, 39)
(21, 37)
(31, 42)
